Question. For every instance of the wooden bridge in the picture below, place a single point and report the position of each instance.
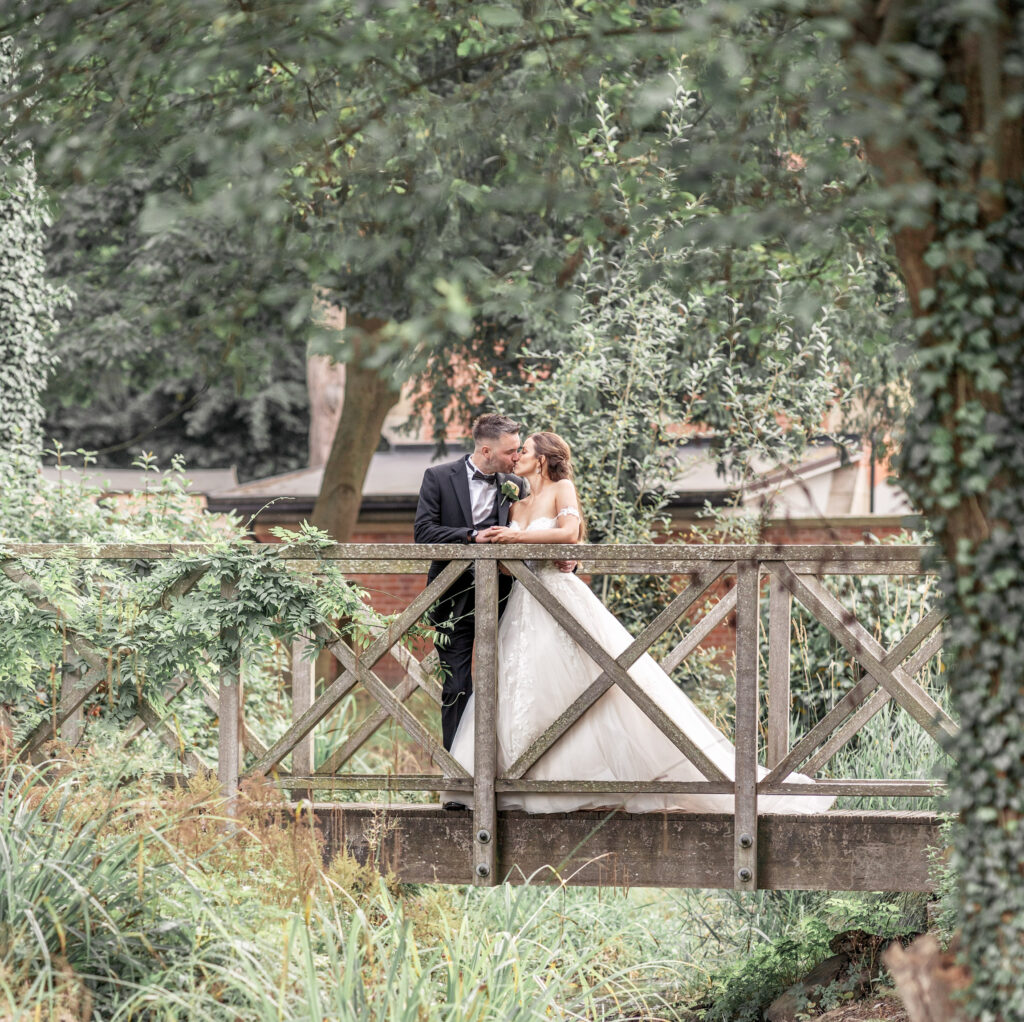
(836, 850)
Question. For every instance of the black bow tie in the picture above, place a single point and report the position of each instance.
(477, 474)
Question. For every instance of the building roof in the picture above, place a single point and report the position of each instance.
(824, 482)
(392, 483)
(129, 480)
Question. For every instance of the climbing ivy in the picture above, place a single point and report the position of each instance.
(27, 301)
(964, 465)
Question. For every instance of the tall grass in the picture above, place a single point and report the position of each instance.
(891, 745)
(133, 902)
(75, 925)
(486, 959)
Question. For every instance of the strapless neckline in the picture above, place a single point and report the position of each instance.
(547, 523)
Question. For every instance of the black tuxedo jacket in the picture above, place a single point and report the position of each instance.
(444, 513)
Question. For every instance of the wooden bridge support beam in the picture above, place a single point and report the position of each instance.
(71, 679)
(836, 851)
(745, 823)
(230, 707)
(780, 610)
(303, 693)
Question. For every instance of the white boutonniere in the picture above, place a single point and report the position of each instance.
(510, 490)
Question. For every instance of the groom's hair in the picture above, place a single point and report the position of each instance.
(493, 427)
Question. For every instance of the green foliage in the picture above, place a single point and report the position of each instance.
(891, 744)
(415, 163)
(666, 342)
(77, 929)
(72, 511)
(766, 941)
(187, 338)
(811, 302)
(742, 992)
(947, 883)
(956, 450)
(153, 622)
(962, 460)
(445, 178)
(193, 915)
(822, 670)
(27, 300)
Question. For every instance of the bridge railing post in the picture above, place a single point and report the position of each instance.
(303, 686)
(485, 760)
(230, 728)
(745, 807)
(780, 604)
(71, 678)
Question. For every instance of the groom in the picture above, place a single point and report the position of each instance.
(460, 503)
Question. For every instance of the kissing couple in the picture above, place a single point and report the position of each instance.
(508, 492)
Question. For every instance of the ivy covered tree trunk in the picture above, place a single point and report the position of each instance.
(957, 79)
(370, 393)
(26, 299)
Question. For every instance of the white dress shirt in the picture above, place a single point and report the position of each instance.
(481, 495)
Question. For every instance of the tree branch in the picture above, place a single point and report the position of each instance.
(466, 63)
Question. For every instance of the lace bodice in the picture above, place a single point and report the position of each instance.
(545, 523)
(542, 523)
(536, 523)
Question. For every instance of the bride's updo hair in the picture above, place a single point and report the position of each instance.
(556, 453)
(557, 457)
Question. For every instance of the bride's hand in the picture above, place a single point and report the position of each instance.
(501, 534)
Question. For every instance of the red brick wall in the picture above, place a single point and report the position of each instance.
(389, 593)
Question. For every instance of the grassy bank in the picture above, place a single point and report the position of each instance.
(122, 899)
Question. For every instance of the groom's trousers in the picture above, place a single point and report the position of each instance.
(452, 617)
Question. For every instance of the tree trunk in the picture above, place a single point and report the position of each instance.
(325, 381)
(369, 395)
(963, 265)
(928, 980)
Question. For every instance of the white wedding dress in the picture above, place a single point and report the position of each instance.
(541, 670)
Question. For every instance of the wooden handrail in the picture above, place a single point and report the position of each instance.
(598, 558)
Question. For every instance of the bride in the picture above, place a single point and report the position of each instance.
(541, 670)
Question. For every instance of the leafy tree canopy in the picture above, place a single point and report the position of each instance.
(340, 128)
(183, 341)
(414, 163)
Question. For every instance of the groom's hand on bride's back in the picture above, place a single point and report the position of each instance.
(566, 565)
